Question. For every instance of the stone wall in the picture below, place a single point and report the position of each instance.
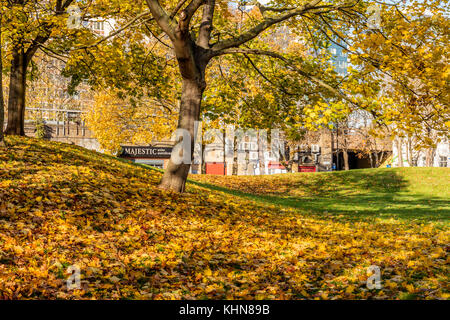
(67, 132)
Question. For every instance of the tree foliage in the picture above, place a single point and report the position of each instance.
(115, 122)
(404, 70)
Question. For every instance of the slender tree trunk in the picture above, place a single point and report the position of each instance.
(400, 152)
(382, 157)
(377, 160)
(262, 146)
(203, 164)
(16, 99)
(371, 159)
(2, 106)
(175, 175)
(409, 152)
(235, 156)
(224, 137)
(430, 156)
(345, 153)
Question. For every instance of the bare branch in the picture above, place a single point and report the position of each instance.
(112, 34)
(264, 9)
(158, 38)
(318, 81)
(264, 25)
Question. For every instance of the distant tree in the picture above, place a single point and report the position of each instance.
(405, 70)
(115, 121)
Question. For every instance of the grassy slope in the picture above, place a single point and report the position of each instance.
(62, 205)
(412, 194)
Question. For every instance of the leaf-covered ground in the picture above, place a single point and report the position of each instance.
(62, 205)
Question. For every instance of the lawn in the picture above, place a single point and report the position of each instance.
(299, 236)
(411, 194)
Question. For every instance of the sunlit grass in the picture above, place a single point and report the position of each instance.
(412, 194)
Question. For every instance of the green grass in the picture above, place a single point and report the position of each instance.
(413, 194)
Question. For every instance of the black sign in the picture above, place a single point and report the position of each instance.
(146, 152)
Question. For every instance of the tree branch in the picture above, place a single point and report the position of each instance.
(206, 27)
(267, 79)
(293, 67)
(112, 34)
(264, 25)
(177, 8)
(186, 14)
(162, 18)
(47, 26)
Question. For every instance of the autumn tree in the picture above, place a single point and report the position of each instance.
(405, 72)
(200, 30)
(52, 27)
(29, 25)
(132, 76)
(116, 121)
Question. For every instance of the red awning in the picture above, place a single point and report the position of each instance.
(276, 165)
(306, 169)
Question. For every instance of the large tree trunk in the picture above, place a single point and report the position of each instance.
(192, 57)
(175, 175)
(16, 99)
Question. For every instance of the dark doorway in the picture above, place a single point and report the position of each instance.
(354, 161)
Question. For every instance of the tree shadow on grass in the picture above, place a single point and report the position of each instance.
(353, 195)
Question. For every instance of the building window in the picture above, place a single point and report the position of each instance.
(253, 155)
(442, 161)
(98, 25)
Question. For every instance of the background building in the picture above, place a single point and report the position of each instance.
(340, 58)
(412, 157)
